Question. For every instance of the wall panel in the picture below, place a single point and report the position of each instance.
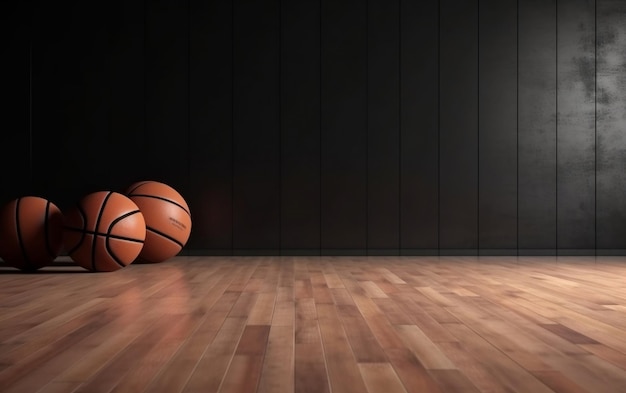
(256, 126)
(611, 123)
(211, 125)
(576, 125)
(458, 117)
(300, 126)
(497, 132)
(383, 147)
(419, 126)
(537, 126)
(344, 126)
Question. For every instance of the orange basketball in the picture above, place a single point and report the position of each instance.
(168, 220)
(30, 232)
(104, 231)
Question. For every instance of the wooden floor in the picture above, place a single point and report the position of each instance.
(318, 324)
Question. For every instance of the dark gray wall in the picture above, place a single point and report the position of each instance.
(331, 127)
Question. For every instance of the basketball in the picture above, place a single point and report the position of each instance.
(30, 232)
(168, 219)
(104, 231)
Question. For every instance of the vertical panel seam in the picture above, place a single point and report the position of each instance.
(145, 71)
(399, 127)
(232, 125)
(367, 125)
(556, 129)
(439, 127)
(595, 126)
(188, 98)
(280, 127)
(321, 126)
(30, 107)
(478, 127)
(517, 245)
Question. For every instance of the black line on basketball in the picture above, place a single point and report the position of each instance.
(139, 185)
(47, 230)
(83, 231)
(130, 239)
(165, 236)
(19, 234)
(95, 238)
(161, 198)
(111, 253)
(120, 218)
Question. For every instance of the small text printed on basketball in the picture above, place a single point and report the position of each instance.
(177, 223)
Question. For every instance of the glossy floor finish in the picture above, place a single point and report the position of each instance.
(318, 324)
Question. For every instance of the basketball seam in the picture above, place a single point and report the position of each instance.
(18, 230)
(95, 238)
(130, 239)
(139, 185)
(109, 251)
(83, 230)
(163, 199)
(47, 231)
(108, 248)
(120, 218)
(164, 235)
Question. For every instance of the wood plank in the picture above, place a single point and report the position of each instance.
(424, 349)
(380, 377)
(333, 280)
(243, 374)
(253, 340)
(610, 355)
(212, 366)
(343, 372)
(277, 375)
(341, 296)
(114, 371)
(47, 362)
(57, 387)
(283, 314)
(373, 290)
(363, 343)
(393, 310)
(244, 305)
(558, 382)
(454, 381)
(263, 310)
(244, 371)
(516, 344)
(412, 372)
(508, 372)
(568, 334)
(310, 374)
(471, 367)
(153, 362)
(174, 377)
